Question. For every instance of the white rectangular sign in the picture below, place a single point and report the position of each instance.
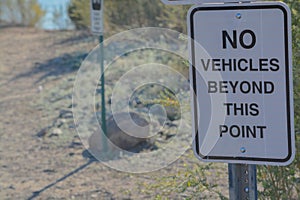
(97, 17)
(242, 82)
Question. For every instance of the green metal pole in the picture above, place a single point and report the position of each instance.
(103, 109)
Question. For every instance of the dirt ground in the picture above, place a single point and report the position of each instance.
(41, 155)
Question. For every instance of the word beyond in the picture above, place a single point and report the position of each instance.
(244, 87)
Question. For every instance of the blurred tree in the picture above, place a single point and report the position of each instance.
(0, 8)
(35, 13)
(79, 12)
(295, 9)
(23, 12)
(127, 14)
(58, 14)
(174, 17)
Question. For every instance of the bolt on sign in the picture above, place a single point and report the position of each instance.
(97, 17)
(242, 82)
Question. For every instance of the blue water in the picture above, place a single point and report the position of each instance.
(49, 22)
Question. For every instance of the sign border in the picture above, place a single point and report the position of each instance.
(288, 71)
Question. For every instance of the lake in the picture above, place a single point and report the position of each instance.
(53, 7)
(56, 15)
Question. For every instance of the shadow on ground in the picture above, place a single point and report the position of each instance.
(36, 194)
(59, 66)
(82, 37)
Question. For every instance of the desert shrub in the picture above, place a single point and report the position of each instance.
(79, 12)
(190, 182)
(127, 14)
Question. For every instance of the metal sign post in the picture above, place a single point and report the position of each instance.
(97, 29)
(103, 109)
(242, 182)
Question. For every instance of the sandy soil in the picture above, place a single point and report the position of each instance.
(41, 156)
